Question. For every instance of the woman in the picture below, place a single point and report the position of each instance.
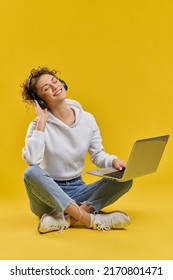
(55, 148)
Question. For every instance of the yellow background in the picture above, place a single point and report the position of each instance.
(117, 59)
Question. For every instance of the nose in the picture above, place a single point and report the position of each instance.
(55, 85)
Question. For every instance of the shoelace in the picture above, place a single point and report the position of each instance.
(61, 226)
(103, 227)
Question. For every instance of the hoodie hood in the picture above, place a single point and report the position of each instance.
(76, 106)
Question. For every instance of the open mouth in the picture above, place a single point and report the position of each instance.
(58, 92)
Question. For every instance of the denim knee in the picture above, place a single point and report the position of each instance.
(31, 172)
(126, 186)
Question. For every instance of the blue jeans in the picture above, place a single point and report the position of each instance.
(46, 194)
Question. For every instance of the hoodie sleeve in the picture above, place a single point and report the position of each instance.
(96, 149)
(33, 151)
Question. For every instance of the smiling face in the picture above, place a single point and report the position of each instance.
(50, 89)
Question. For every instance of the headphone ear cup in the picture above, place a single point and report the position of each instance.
(64, 84)
(41, 103)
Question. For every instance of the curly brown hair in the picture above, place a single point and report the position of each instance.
(29, 85)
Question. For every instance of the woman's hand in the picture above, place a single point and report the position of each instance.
(118, 164)
(42, 116)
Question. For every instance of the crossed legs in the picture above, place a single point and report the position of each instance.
(46, 195)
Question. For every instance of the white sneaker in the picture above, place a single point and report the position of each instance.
(55, 221)
(107, 221)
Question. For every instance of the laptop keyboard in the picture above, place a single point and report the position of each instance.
(116, 174)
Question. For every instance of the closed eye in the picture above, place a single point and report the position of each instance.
(46, 87)
(54, 80)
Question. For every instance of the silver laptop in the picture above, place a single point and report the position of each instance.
(144, 159)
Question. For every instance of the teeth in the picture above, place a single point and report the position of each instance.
(59, 91)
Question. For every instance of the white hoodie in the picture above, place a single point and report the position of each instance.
(61, 149)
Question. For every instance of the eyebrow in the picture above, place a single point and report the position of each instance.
(53, 77)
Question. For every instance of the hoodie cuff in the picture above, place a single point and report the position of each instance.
(111, 158)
